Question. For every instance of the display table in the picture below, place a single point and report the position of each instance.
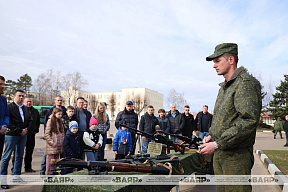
(190, 161)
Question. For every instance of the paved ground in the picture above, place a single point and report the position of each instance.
(263, 141)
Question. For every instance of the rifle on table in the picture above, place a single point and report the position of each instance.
(145, 159)
(159, 137)
(104, 166)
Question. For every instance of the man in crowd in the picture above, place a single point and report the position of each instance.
(236, 116)
(34, 129)
(4, 115)
(189, 122)
(147, 124)
(131, 119)
(58, 104)
(203, 122)
(83, 117)
(177, 122)
(85, 106)
(16, 134)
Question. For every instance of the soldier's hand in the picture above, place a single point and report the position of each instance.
(207, 139)
(206, 149)
(115, 152)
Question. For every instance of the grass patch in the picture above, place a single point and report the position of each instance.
(279, 158)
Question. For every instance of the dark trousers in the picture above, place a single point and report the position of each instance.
(134, 142)
(30, 144)
(119, 156)
(286, 137)
(2, 139)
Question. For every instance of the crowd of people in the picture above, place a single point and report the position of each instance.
(74, 132)
(230, 136)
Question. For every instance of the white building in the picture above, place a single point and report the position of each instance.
(137, 95)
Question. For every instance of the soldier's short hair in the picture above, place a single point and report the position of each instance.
(150, 106)
(226, 55)
(161, 111)
(186, 106)
(205, 106)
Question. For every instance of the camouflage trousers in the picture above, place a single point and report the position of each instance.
(236, 162)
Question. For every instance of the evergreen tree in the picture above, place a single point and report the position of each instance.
(278, 106)
(25, 83)
(10, 88)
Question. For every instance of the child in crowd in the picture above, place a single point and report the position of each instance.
(92, 139)
(54, 136)
(122, 143)
(71, 144)
(163, 121)
(68, 117)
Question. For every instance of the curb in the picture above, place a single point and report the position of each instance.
(271, 167)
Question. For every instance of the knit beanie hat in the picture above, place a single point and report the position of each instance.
(93, 121)
(73, 124)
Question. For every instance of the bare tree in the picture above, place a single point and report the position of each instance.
(93, 102)
(73, 83)
(176, 99)
(112, 103)
(140, 102)
(42, 86)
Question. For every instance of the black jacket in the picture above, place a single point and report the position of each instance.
(72, 145)
(87, 113)
(66, 120)
(16, 125)
(35, 121)
(177, 123)
(189, 125)
(286, 126)
(148, 123)
(198, 121)
(131, 119)
(46, 118)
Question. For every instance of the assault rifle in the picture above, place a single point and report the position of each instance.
(159, 137)
(97, 167)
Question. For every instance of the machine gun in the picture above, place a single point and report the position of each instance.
(97, 167)
(159, 137)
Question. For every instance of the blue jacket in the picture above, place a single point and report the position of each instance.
(117, 140)
(4, 112)
(71, 145)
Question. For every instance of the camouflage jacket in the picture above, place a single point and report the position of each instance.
(237, 112)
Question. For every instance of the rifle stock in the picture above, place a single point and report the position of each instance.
(113, 166)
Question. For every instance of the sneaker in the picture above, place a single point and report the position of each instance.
(286, 145)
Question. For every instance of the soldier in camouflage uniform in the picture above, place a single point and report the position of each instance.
(236, 116)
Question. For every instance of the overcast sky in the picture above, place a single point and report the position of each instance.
(156, 44)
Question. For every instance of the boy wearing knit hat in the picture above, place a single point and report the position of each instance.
(92, 139)
(71, 144)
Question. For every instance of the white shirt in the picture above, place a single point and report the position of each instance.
(20, 110)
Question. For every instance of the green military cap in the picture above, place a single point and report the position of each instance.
(223, 48)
